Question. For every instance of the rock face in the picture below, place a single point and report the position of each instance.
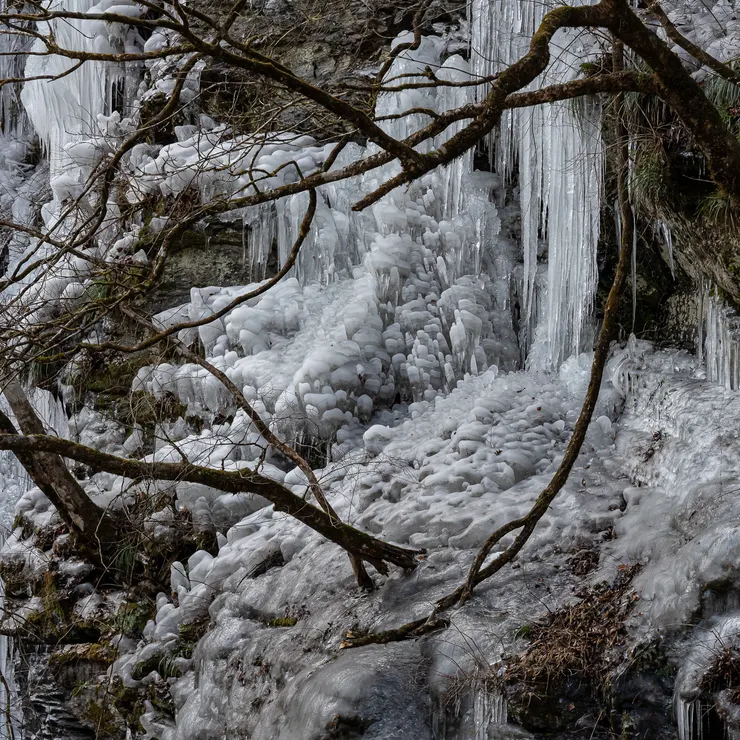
(335, 45)
(52, 709)
(217, 255)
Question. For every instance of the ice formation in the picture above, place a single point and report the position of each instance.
(419, 291)
(718, 339)
(14, 482)
(559, 154)
(394, 346)
(66, 109)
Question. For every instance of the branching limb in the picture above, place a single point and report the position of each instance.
(363, 579)
(49, 472)
(682, 93)
(722, 69)
(515, 77)
(360, 543)
(270, 437)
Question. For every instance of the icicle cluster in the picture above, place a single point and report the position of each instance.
(558, 150)
(719, 339)
(66, 108)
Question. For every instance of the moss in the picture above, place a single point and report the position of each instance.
(144, 667)
(103, 719)
(129, 702)
(51, 619)
(191, 632)
(282, 622)
(114, 375)
(144, 409)
(158, 694)
(93, 652)
(132, 617)
(589, 68)
(205, 539)
(167, 664)
(652, 658)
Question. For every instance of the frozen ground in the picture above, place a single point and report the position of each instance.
(445, 477)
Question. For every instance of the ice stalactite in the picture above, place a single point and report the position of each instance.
(12, 61)
(489, 711)
(259, 233)
(688, 719)
(633, 269)
(65, 109)
(665, 231)
(9, 725)
(14, 481)
(455, 70)
(718, 343)
(558, 149)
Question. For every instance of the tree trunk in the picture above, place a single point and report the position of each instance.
(50, 474)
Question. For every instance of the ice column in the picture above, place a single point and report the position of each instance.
(455, 70)
(11, 67)
(489, 711)
(665, 230)
(13, 482)
(688, 719)
(558, 149)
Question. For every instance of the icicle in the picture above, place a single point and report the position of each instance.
(559, 152)
(65, 109)
(489, 710)
(531, 206)
(701, 308)
(455, 69)
(244, 245)
(718, 339)
(668, 237)
(12, 63)
(634, 266)
(688, 719)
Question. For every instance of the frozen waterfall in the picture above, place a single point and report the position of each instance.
(394, 348)
(559, 154)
